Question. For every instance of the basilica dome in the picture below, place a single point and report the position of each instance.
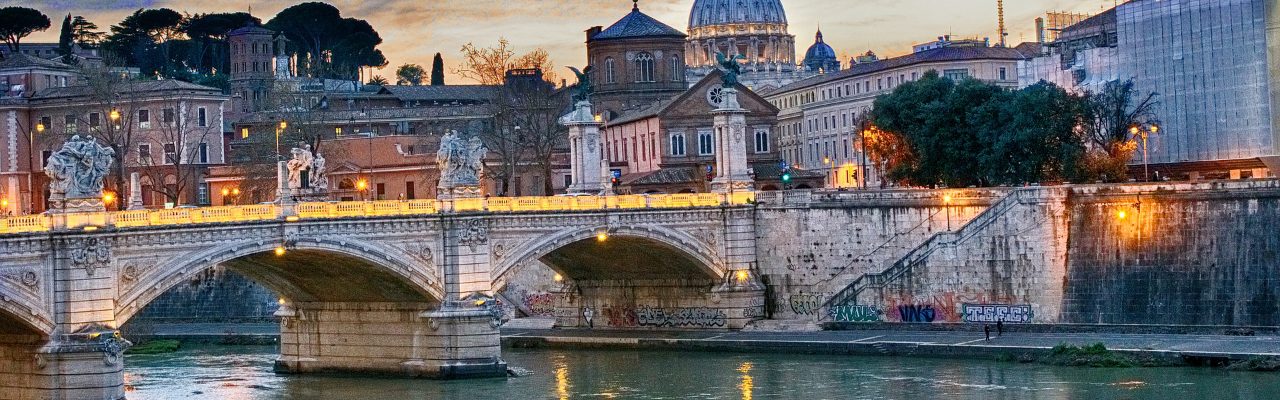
(821, 57)
(707, 13)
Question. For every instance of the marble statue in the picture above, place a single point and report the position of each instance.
(319, 176)
(298, 166)
(460, 160)
(76, 171)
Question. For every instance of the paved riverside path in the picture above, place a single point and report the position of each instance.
(900, 342)
(837, 342)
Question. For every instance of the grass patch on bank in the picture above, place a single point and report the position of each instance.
(155, 347)
(1095, 355)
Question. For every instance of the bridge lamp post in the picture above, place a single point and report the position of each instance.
(280, 130)
(602, 236)
(946, 201)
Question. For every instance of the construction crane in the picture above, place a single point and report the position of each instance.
(1000, 13)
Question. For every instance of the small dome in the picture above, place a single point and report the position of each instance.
(821, 56)
(725, 12)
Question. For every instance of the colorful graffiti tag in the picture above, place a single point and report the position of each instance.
(938, 307)
(806, 304)
(620, 316)
(853, 313)
(1010, 313)
(540, 304)
(700, 317)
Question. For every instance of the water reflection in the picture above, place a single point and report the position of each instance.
(245, 373)
(747, 385)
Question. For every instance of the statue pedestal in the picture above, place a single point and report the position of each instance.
(730, 127)
(585, 160)
(78, 213)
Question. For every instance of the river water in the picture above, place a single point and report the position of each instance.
(244, 372)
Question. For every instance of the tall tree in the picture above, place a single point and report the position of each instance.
(208, 50)
(1110, 114)
(66, 42)
(328, 45)
(18, 22)
(437, 71)
(489, 65)
(409, 74)
(145, 38)
(86, 33)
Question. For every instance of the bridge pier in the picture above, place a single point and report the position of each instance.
(83, 366)
(398, 339)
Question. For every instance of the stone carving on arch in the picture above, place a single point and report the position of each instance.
(22, 301)
(695, 247)
(152, 282)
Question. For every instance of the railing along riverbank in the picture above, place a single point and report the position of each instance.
(352, 209)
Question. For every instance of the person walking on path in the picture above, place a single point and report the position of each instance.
(987, 330)
(1000, 327)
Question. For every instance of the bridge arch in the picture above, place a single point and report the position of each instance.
(22, 316)
(312, 269)
(687, 254)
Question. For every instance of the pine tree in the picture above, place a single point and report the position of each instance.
(437, 71)
(66, 41)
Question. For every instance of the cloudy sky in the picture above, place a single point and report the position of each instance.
(414, 30)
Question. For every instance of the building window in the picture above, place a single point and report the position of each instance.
(95, 120)
(203, 151)
(381, 191)
(677, 144)
(44, 157)
(244, 133)
(608, 70)
(202, 194)
(410, 192)
(47, 122)
(762, 141)
(706, 144)
(337, 131)
(144, 119)
(644, 67)
(955, 74)
(167, 116)
(1003, 73)
(202, 117)
(915, 75)
(69, 122)
(170, 153)
(144, 154)
(676, 65)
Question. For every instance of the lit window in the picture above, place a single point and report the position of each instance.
(244, 133)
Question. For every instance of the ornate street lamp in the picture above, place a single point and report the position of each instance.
(1143, 130)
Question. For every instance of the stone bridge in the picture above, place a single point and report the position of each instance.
(398, 288)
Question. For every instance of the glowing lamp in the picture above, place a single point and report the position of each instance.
(602, 236)
(283, 125)
(115, 115)
(1121, 214)
(40, 127)
(742, 276)
(946, 199)
(280, 251)
(558, 278)
(280, 301)
(226, 192)
(362, 185)
(108, 197)
(480, 302)
(291, 218)
(235, 191)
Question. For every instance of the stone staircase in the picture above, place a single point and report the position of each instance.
(849, 294)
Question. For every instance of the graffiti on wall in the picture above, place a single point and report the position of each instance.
(620, 316)
(539, 304)
(698, 317)
(938, 307)
(1011, 313)
(754, 308)
(853, 313)
(806, 304)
